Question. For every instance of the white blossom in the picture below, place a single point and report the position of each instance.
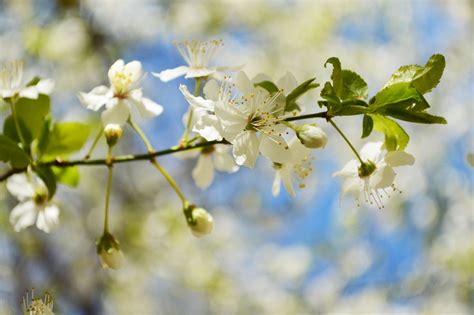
(34, 206)
(376, 175)
(198, 56)
(11, 75)
(122, 95)
(297, 168)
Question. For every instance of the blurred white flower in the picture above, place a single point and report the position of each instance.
(199, 56)
(36, 306)
(210, 158)
(375, 175)
(299, 167)
(242, 119)
(11, 75)
(34, 205)
(122, 95)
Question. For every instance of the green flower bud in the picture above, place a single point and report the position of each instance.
(199, 220)
(108, 249)
(113, 132)
(366, 169)
(311, 136)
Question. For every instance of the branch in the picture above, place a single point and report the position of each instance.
(140, 157)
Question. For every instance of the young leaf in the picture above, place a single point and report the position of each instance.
(367, 126)
(31, 114)
(67, 175)
(9, 130)
(336, 75)
(269, 86)
(353, 86)
(415, 117)
(397, 94)
(66, 138)
(11, 153)
(333, 103)
(424, 79)
(47, 175)
(395, 137)
(297, 92)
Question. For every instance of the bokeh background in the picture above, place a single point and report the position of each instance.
(313, 254)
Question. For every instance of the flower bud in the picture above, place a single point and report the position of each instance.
(311, 136)
(366, 169)
(108, 249)
(199, 220)
(112, 132)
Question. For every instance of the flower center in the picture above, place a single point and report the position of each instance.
(366, 169)
(11, 74)
(208, 150)
(198, 54)
(41, 197)
(303, 169)
(121, 83)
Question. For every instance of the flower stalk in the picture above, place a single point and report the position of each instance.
(346, 139)
(184, 139)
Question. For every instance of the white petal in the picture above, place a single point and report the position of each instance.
(148, 109)
(47, 218)
(45, 86)
(196, 102)
(134, 69)
(275, 148)
(23, 215)
(276, 184)
(30, 92)
(399, 158)
(261, 77)
(233, 120)
(198, 72)
(297, 150)
(211, 90)
(96, 98)
(286, 178)
(224, 162)
(246, 148)
(115, 68)
(19, 186)
(203, 173)
(371, 151)
(170, 74)
(287, 83)
(117, 114)
(209, 127)
(352, 184)
(244, 84)
(382, 178)
(351, 169)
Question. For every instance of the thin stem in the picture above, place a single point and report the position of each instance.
(347, 140)
(142, 135)
(155, 162)
(17, 124)
(169, 179)
(308, 116)
(109, 188)
(184, 139)
(94, 144)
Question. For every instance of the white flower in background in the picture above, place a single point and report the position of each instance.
(210, 158)
(205, 122)
(298, 167)
(198, 55)
(11, 75)
(122, 95)
(375, 175)
(251, 124)
(36, 306)
(34, 206)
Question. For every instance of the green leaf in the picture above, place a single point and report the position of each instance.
(333, 103)
(269, 86)
(415, 117)
(367, 126)
(47, 175)
(399, 94)
(31, 114)
(297, 92)
(395, 137)
(67, 175)
(350, 110)
(9, 130)
(424, 79)
(44, 135)
(65, 138)
(336, 75)
(353, 86)
(11, 153)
